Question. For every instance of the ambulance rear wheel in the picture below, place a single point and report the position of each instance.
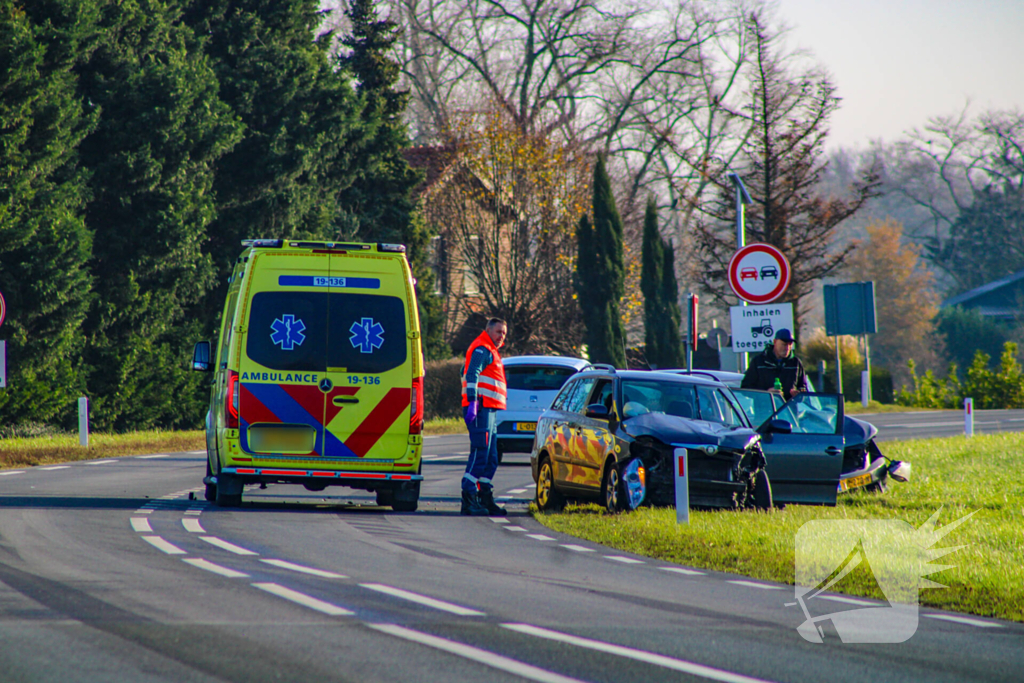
(385, 497)
(225, 499)
(211, 489)
(406, 498)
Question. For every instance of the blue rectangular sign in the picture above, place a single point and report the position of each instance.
(321, 281)
(850, 309)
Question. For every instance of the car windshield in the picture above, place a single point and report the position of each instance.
(651, 396)
(537, 377)
(811, 413)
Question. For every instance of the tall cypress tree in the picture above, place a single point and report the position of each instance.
(378, 205)
(670, 344)
(652, 262)
(600, 269)
(161, 129)
(661, 296)
(44, 244)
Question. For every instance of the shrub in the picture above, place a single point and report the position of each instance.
(442, 388)
(1003, 388)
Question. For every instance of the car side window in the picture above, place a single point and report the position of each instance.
(714, 407)
(563, 396)
(577, 401)
(603, 393)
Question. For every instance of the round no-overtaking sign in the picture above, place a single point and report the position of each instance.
(759, 273)
(3, 309)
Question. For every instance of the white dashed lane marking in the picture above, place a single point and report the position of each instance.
(224, 545)
(4, 474)
(848, 601)
(193, 526)
(490, 659)
(680, 570)
(161, 544)
(499, 520)
(623, 559)
(150, 457)
(539, 537)
(423, 600)
(577, 548)
(303, 599)
(141, 524)
(963, 620)
(101, 462)
(755, 584)
(682, 665)
(284, 564)
(513, 528)
(55, 467)
(517, 491)
(215, 568)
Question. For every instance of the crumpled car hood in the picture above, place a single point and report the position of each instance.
(671, 429)
(857, 432)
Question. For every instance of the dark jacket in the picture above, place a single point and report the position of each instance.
(765, 367)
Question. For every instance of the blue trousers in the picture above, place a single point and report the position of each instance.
(483, 451)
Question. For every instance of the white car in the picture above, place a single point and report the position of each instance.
(532, 382)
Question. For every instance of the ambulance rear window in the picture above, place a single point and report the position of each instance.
(311, 331)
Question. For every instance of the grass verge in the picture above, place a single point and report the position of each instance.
(57, 448)
(47, 450)
(959, 475)
(444, 425)
(855, 408)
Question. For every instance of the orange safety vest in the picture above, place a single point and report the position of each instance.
(490, 385)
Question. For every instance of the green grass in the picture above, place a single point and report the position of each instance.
(959, 475)
(444, 425)
(46, 450)
(855, 408)
(54, 448)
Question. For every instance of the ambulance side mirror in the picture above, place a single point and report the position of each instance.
(201, 357)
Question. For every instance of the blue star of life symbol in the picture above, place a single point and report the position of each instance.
(288, 332)
(366, 335)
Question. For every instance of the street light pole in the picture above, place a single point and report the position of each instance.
(742, 197)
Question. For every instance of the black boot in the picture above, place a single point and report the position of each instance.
(471, 505)
(487, 500)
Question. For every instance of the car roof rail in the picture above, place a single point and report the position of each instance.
(603, 367)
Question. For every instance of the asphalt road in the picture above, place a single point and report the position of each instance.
(941, 423)
(108, 571)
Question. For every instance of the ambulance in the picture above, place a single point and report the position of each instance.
(317, 373)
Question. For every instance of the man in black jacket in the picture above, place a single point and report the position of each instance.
(777, 362)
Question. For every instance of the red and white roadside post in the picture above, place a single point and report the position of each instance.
(969, 416)
(682, 487)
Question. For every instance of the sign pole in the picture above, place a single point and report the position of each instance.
(839, 369)
(742, 197)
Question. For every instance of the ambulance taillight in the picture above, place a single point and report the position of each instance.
(231, 400)
(416, 409)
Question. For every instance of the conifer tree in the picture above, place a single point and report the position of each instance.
(661, 305)
(600, 270)
(44, 244)
(378, 206)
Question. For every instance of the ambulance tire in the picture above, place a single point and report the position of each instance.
(211, 489)
(385, 497)
(406, 498)
(225, 499)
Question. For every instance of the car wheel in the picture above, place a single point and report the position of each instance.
(611, 488)
(548, 497)
(763, 492)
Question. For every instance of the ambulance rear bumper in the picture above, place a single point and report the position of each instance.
(319, 478)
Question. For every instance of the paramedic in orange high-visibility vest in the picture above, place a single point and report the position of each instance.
(483, 393)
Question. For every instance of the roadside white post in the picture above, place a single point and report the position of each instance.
(865, 388)
(682, 487)
(83, 421)
(969, 416)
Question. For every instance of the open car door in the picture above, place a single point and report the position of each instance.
(804, 464)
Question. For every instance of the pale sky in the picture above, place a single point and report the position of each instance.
(898, 62)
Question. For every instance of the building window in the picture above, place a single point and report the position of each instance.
(470, 284)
